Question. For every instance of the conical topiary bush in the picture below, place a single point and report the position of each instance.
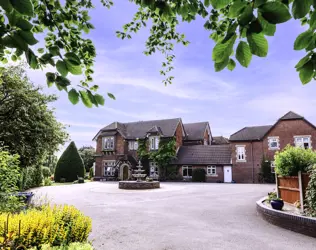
(70, 165)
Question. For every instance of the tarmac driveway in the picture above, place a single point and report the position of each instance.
(177, 216)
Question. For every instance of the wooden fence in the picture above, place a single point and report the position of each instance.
(292, 188)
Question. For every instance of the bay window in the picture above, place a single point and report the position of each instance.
(108, 143)
(109, 168)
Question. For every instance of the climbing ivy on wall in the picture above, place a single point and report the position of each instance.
(163, 156)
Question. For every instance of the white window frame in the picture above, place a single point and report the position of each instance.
(108, 143)
(187, 167)
(274, 139)
(132, 145)
(109, 167)
(303, 137)
(211, 171)
(153, 169)
(241, 156)
(272, 165)
(154, 142)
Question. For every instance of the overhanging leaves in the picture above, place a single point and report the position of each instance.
(300, 8)
(73, 96)
(258, 44)
(307, 72)
(303, 40)
(275, 12)
(24, 7)
(243, 54)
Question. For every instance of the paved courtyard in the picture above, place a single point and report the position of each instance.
(178, 216)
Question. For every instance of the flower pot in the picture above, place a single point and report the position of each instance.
(277, 204)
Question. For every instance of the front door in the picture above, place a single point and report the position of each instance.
(227, 174)
(125, 173)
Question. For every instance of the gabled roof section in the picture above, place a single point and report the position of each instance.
(134, 130)
(155, 129)
(204, 155)
(250, 133)
(195, 131)
(291, 116)
(219, 140)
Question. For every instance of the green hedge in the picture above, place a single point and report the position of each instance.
(70, 165)
(199, 175)
(291, 160)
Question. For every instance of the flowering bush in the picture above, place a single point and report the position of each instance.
(55, 226)
(293, 159)
(311, 194)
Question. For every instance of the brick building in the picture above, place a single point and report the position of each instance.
(117, 146)
(250, 144)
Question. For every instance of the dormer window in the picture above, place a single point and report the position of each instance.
(153, 142)
(108, 143)
(132, 145)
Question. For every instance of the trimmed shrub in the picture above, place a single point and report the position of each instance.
(47, 182)
(293, 159)
(56, 226)
(91, 173)
(46, 172)
(265, 174)
(9, 178)
(199, 175)
(70, 165)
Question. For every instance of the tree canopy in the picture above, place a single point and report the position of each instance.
(87, 154)
(239, 28)
(28, 127)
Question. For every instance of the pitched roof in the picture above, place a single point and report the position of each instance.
(133, 130)
(291, 116)
(250, 133)
(204, 155)
(195, 131)
(220, 140)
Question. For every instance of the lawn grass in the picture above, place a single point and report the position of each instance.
(67, 183)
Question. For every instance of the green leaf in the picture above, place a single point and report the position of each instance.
(307, 72)
(236, 8)
(275, 12)
(50, 78)
(73, 68)
(207, 3)
(231, 64)
(221, 65)
(259, 2)
(268, 28)
(31, 59)
(303, 61)
(54, 50)
(303, 40)
(246, 16)
(255, 26)
(73, 96)
(62, 82)
(222, 51)
(219, 4)
(73, 57)
(300, 8)
(15, 41)
(28, 37)
(40, 50)
(99, 99)
(25, 7)
(111, 96)
(14, 58)
(6, 5)
(258, 44)
(62, 68)
(243, 54)
(24, 24)
(85, 98)
(312, 21)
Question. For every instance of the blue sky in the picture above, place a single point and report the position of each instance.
(258, 95)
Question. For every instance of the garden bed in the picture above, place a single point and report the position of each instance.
(289, 218)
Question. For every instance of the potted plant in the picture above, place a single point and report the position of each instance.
(277, 203)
